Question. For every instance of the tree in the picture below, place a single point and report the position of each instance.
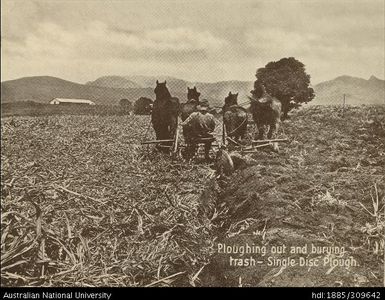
(285, 80)
(143, 106)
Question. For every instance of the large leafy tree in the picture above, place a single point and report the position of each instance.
(143, 106)
(286, 80)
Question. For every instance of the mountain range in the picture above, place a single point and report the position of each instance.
(357, 91)
(108, 90)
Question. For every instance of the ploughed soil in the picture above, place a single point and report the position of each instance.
(322, 194)
(84, 204)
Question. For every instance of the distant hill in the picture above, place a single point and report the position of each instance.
(42, 89)
(109, 90)
(174, 84)
(215, 92)
(358, 91)
(114, 82)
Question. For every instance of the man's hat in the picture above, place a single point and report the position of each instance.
(203, 105)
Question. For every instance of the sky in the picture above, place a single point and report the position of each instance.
(196, 40)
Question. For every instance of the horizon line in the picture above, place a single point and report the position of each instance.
(178, 78)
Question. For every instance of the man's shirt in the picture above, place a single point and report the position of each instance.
(201, 124)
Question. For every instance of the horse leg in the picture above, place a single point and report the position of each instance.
(168, 135)
(188, 151)
(159, 127)
(158, 132)
(273, 134)
(237, 135)
(234, 129)
(191, 150)
(261, 131)
(243, 132)
(173, 126)
(274, 129)
(161, 134)
(207, 150)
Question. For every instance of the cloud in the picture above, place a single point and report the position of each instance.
(97, 40)
(325, 56)
(197, 39)
(276, 40)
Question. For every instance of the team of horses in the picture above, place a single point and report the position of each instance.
(265, 111)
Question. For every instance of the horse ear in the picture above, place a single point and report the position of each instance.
(229, 93)
(165, 81)
(237, 94)
(195, 88)
(157, 82)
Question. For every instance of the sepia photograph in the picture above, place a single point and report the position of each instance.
(192, 143)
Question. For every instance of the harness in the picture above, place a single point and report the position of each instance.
(243, 122)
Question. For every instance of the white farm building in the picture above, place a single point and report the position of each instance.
(71, 101)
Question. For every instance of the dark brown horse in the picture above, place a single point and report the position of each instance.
(234, 117)
(266, 111)
(165, 112)
(191, 104)
(189, 107)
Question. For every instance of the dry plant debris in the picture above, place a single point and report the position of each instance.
(84, 204)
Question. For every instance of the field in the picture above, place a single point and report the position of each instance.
(35, 109)
(83, 204)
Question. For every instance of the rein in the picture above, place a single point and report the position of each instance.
(243, 122)
(240, 104)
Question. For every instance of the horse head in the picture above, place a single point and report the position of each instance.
(161, 91)
(266, 98)
(193, 94)
(231, 99)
